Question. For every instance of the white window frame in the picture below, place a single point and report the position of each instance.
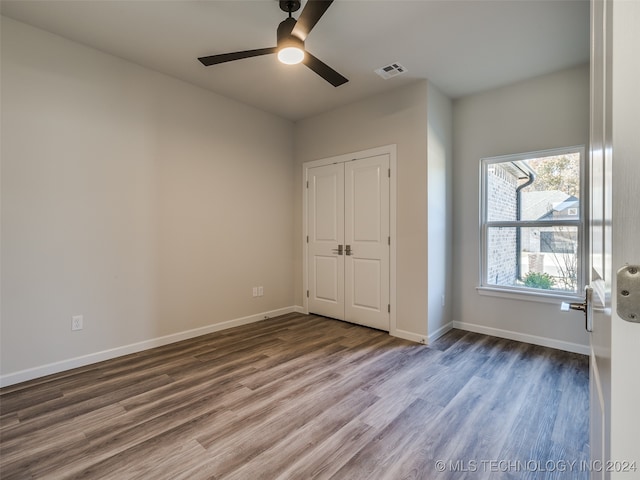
(522, 292)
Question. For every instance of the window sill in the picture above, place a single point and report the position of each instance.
(556, 298)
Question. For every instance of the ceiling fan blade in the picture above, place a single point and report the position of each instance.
(229, 57)
(324, 70)
(313, 10)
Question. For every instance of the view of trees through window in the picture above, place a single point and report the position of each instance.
(532, 222)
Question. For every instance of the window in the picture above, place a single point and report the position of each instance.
(532, 222)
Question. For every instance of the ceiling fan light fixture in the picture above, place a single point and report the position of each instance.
(290, 55)
(290, 37)
(290, 47)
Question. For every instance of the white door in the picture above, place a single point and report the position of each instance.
(367, 242)
(600, 240)
(348, 241)
(325, 217)
(625, 232)
(615, 223)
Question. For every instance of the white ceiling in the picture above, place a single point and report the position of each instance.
(462, 46)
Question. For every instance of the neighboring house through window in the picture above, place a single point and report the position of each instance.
(532, 222)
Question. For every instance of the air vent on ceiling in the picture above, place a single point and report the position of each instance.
(392, 70)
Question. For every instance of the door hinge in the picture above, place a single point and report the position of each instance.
(307, 293)
(389, 172)
(307, 183)
(307, 238)
(628, 293)
(388, 240)
(388, 308)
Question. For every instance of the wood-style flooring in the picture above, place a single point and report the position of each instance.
(302, 397)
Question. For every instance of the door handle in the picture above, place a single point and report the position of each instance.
(586, 307)
(338, 250)
(347, 250)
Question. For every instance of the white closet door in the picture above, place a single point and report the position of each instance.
(348, 252)
(325, 219)
(367, 241)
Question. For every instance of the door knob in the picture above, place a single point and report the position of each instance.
(338, 250)
(586, 307)
(347, 250)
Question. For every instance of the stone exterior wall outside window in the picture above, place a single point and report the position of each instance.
(501, 252)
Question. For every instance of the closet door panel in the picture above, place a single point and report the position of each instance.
(367, 241)
(325, 217)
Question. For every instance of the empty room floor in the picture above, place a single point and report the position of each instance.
(301, 397)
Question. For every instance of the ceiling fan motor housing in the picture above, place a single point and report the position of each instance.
(285, 38)
(291, 36)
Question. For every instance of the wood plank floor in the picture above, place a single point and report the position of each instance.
(300, 397)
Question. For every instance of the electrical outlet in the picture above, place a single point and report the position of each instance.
(77, 322)
(443, 300)
(255, 291)
(260, 291)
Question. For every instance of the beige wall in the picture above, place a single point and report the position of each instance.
(440, 230)
(143, 203)
(399, 117)
(152, 207)
(542, 113)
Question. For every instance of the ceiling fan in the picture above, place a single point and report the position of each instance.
(290, 41)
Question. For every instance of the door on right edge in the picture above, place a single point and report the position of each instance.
(600, 213)
(615, 244)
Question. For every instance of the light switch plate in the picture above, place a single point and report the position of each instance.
(77, 322)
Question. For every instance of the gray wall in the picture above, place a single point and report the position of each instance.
(146, 204)
(399, 117)
(140, 201)
(416, 118)
(541, 113)
(439, 211)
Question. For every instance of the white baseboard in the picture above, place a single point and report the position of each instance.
(63, 365)
(413, 337)
(523, 337)
(440, 332)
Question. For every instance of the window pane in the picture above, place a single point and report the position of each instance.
(544, 258)
(502, 184)
(545, 188)
(501, 256)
